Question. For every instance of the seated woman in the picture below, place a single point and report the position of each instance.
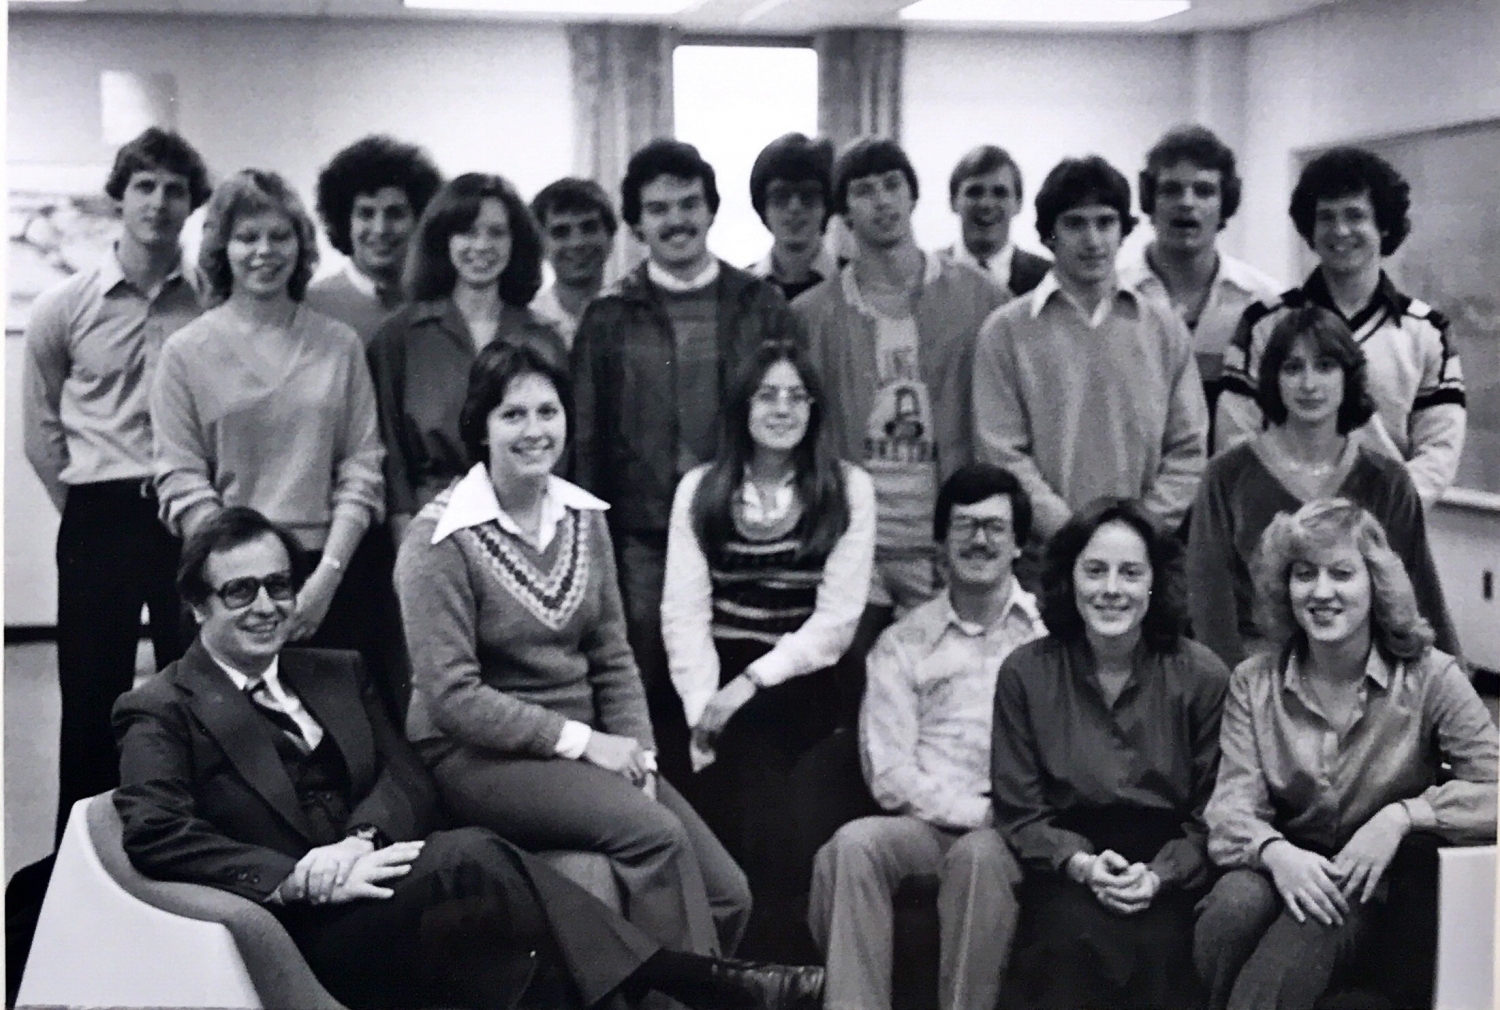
(475, 263)
(1332, 746)
(1106, 741)
(526, 702)
(768, 565)
(1312, 393)
(265, 403)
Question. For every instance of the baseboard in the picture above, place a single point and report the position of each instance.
(18, 634)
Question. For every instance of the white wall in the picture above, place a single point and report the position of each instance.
(282, 94)
(1042, 98)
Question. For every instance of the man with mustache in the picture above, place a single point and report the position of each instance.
(985, 192)
(925, 743)
(369, 198)
(1084, 387)
(791, 189)
(91, 351)
(1189, 189)
(893, 338)
(1351, 207)
(651, 360)
(275, 774)
(578, 231)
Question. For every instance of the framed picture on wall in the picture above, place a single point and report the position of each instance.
(1451, 260)
(60, 222)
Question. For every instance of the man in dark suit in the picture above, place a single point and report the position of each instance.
(985, 192)
(277, 776)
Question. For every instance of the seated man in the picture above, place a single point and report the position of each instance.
(925, 743)
(276, 776)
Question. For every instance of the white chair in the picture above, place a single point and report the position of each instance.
(1466, 929)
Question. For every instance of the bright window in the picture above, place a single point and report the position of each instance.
(731, 101)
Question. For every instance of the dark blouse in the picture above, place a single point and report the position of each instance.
(1060, 751)
(1238, 499)
(420, 362)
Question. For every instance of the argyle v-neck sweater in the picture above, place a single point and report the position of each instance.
(508, 643)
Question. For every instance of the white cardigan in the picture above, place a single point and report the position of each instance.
(687, 599)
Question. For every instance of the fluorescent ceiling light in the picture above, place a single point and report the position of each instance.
(1055, 11)
(626, 8)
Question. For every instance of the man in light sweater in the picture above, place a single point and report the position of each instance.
(925, 745)
(1084, 388)
(651, 361)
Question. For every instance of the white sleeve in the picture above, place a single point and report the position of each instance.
(687, 607)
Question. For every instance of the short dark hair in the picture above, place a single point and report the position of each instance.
(225, 530)
(1200, 146)
(674, 158)
(1166, 614)
(869, 156)
(1081, 182)
(974, 482)
(570, 195)
(1330, 337)
(983, 160)
(159, 150)
(494, 369)
(251, 191)
(430, 273)
(1350, 171)
(793, 157)
(366, 167)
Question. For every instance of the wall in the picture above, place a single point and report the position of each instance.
(283, 94)
(1357, 71)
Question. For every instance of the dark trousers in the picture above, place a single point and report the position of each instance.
(474, 924)
(113, 555)
(642, 563)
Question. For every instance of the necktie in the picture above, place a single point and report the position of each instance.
(260, 696)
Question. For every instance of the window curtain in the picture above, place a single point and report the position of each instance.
(859, 83)
(622, 98)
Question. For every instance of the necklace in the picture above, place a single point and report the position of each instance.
(1310, 469)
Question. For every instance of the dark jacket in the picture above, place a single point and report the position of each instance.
(1026, 271)
(420, 360)
(205, 797)
(625, 427)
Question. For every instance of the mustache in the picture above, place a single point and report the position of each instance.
(987, 553)
(668, 234)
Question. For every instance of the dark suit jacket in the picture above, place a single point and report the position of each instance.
(1026, 271)
(205, 797)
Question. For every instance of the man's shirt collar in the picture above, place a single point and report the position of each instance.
(473, 503)
(1018, 600)
(111, 273)
(1049, 287)
(271, 676)
(932, 269)
(669, 282)
(999, 265)
(823, 265)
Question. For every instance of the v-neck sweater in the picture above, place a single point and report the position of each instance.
(1238, 499)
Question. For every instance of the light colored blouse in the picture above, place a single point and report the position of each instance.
(296, 439)
(687, 599)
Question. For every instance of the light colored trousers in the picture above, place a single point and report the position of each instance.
(857, 873)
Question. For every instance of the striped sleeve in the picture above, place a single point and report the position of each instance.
(1237, 416)
(1439, 415)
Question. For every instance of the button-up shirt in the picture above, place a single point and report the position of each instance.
(1288, 772)
(1236, 286)
(925, 723)
(997, 266)
(91, 351)
(281, 697)
(1062, 748)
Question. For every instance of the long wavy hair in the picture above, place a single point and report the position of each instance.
(1397, 626)
(430, 273)
(819, 478)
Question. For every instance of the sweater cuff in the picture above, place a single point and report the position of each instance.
(573, 740)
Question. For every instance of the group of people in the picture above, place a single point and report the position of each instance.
(622, 558)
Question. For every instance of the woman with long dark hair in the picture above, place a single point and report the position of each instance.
(768, 563)
(1106, 742)
(471, 270)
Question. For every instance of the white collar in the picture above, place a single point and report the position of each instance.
(823, 264)
(669, 282)
(932, 268)
(1134, 272)
(999, 264)
(1050, 287)
(361, 283)
(272, 675)
(472, 502)
(1019, 599)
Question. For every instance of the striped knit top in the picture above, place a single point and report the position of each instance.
(761, 589)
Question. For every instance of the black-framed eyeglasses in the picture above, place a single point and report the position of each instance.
(241, 592)
(967, 528)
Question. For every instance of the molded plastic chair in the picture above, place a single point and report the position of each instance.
(1466, 929)
(108, 936)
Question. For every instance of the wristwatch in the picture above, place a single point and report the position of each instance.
(368, 833)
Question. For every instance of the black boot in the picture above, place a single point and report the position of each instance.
(719, 984)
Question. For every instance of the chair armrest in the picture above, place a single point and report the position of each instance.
(1466, 928)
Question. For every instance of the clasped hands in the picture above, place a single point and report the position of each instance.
(725, 702)
(1115, 881)
(625, 756)
(1313, 885)
(346, 871)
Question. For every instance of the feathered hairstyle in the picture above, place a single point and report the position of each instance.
(1397, 626)
(1331, 338)
(252, 191)
(819, 477)
(430, 273)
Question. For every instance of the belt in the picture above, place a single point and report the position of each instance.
(136, 487)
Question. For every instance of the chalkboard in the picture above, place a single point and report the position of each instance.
(1451, 260)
